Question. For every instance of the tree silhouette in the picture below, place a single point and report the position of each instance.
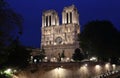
(78, 55)
(10, 28)
(18, 55)
(100, 38)
(42, 54)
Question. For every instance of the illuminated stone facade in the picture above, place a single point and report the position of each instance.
(58, 38)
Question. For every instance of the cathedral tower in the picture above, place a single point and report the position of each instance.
(57, 39)
(70, 15)
(50, 18)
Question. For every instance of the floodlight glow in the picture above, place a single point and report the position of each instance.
(84, 70)
(97, 66)
(86, 65)
(62, 59)
(67, 59)
(107, 66)
(35, 60)
(46, 58)
(14, 71)
(72, 60)
(98, 69)
(8, 71)
(60, 71)
(54, 58)
(31, 57)
(54, 43)
(114, 66)
(93, 59)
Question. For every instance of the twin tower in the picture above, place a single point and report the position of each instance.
(69, 15)
(57, 39)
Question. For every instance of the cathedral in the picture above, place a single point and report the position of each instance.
(60, 38)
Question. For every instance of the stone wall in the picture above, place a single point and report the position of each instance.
(53, 51)
(65, 70)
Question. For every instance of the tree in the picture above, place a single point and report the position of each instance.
(5, 76)
(17, 58)
(10, 28)
(100, 38)
(42, 54)
(78, 55)
(18, 55)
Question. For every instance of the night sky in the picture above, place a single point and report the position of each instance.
(89, 10)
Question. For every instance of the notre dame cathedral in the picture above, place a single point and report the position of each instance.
(56, 38)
